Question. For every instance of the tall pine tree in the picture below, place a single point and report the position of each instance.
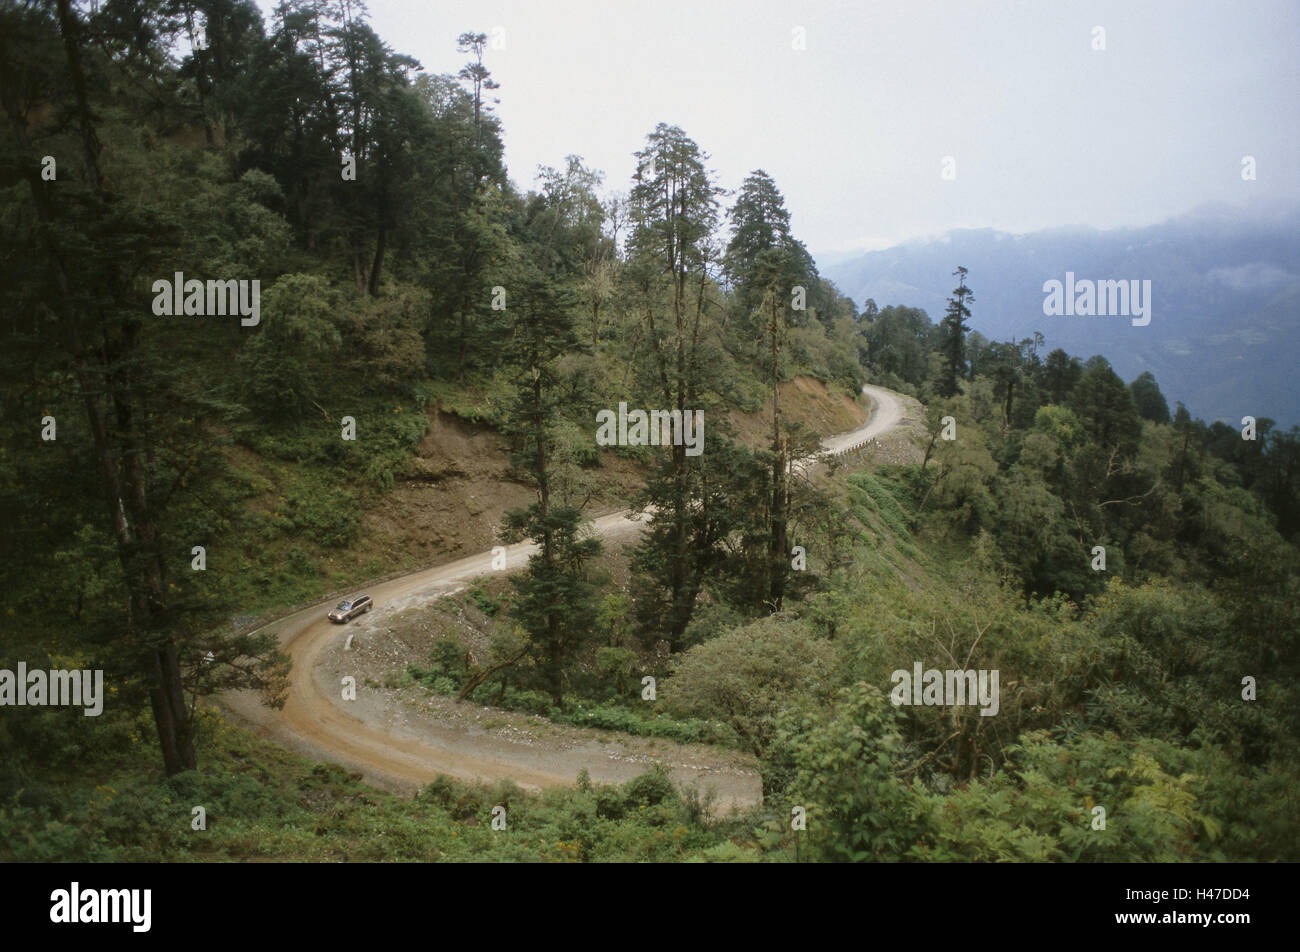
(556, 605)
(952, 330)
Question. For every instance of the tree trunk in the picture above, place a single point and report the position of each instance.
(480, 677)
(780, 490)
(123, 475)
(378, 264)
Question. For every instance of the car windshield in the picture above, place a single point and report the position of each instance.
(344, 606)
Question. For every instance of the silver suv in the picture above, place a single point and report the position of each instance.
(351, 608)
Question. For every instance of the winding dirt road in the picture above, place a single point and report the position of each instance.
(398, 752)
(887, 413)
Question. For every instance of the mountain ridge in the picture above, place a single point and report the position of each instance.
(1226, 299)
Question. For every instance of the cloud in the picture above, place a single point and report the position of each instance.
(1256, 276)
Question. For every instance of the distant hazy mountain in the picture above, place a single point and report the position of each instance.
(1224, 335)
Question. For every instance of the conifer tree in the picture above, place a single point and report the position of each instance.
(952, 344)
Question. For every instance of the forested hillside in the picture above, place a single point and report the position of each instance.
(182, 462)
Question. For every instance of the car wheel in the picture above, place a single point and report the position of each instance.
(368, 607)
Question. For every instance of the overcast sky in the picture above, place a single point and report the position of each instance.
(1044, 130)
